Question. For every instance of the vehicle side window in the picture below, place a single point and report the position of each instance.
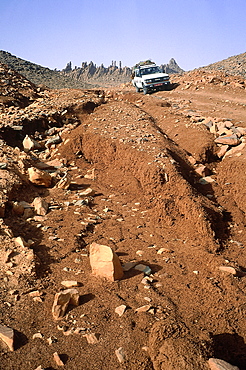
(137, 74)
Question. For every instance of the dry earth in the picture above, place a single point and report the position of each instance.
(152, 202)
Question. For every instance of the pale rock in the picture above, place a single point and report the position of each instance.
(19, 241)
(206, 180)
(65, 182)
(57, 359)
(90, 174)
(120, 354)
(30, 144)
(202, 170)
(105, 262)
(120, 309)
(38, 177)
(92, 338)
(7, 336)
(39, 368)
(228, 124)
(164, 250)
(143, 268)
(40, 206)
(70, 283)
(37, 335)
(62, 300)
(224, 131)
(87, 193)
(232, 270)
(143, 308)
(217, 364)
(213, 129)
(242, 130)
(237, 149)
(222, 151)
(231, 140)
(192, 160)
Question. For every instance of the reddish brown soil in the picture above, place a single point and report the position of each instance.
(147, 197)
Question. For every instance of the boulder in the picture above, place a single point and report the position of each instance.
(105, 262)
(38, 177)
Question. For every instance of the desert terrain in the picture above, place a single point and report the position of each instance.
(158, 178)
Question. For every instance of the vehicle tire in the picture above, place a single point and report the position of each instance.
(145, 90)
(137, 88)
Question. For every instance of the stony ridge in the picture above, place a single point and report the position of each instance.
(234, 65)
(40, 75)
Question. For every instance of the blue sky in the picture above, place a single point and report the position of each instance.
(53, 32)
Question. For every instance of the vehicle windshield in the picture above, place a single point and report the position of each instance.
(150, 70)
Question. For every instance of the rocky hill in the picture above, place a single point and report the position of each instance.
(235, 65)
(40, 75)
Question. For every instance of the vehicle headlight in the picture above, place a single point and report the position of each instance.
(148, 81)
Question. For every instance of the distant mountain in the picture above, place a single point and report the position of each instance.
(172, 67)
(40, 75)
(112, 75)
(235, 65)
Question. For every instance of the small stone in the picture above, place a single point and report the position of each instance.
(38, 177)
(232, 270)
(143, 268)
(120, 310)
(37, 335)
(164, 250)
(128, 265)
(89, 192)
(90, 174)
(7, 336)
(120, 354)
(21, 242)
(40, 206)
(217, 364)
(105, 262)
(70, 283)
(222, 151)
(143, 308)
(62, 300)
(202, 170)
(30, 144)
(92, 338)
(206, 180)
(57, 359)
(65, 182)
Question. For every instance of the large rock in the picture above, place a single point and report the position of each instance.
(105, 262)
(39, 177)
(62, 300)
(217, 364)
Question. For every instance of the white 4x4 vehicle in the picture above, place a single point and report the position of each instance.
(150, 77)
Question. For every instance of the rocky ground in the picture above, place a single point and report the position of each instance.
(159, 179)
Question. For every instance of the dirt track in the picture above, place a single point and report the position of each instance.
(147, 197)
